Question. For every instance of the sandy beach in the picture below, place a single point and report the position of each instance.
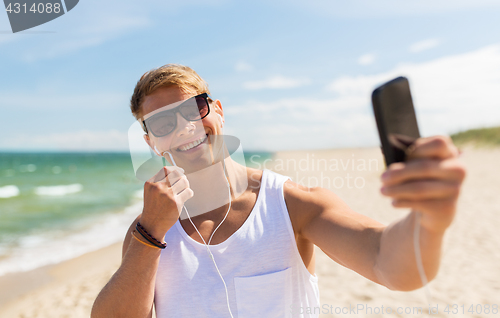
(468, 281)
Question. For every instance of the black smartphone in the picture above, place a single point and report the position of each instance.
(395, 117)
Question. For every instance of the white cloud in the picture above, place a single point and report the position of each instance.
(300, 123)
(7, 38)
(298, 106)
(424, 45)
(450, 94)
(312, 131)
(276, 82)
(46, 98)
(88, 35)
(243, 67)
(356, 86)
(112, 140)
(83, 27)
(366, 59)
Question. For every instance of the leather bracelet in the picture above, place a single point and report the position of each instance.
(142, 242)
(149, 237)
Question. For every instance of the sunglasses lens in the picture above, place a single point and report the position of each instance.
(161, 124)
(195, 109)
(203, 107)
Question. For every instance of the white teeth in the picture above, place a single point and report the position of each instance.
(192, 144)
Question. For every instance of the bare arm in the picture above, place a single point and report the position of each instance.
(130, 292)
(349, 238)
(429, 183)
(396, 265)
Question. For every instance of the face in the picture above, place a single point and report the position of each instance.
(182, 142)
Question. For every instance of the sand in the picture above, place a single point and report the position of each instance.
(469, 274)
(63, 290)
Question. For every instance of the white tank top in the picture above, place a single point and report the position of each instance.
(260, 263)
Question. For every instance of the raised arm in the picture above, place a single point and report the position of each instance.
(429, 182)
(130, 292)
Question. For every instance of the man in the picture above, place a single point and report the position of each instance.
(264, 246)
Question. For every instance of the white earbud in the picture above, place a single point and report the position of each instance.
(221, 120)
(157, 151)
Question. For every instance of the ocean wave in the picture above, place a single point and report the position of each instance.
(34, 251)
(9, 191)
(139, 194)
(59, 190)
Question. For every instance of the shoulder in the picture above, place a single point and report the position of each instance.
(309, 198)
(254, 178)
(304, 203)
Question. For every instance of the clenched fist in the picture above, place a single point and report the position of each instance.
(164, 197)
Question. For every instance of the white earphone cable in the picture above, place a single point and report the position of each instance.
(206, 245)
(418, 257)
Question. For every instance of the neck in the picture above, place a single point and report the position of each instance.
(211, 189)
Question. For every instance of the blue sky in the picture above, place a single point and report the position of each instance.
(290, 74)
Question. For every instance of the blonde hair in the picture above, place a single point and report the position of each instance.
(178, 75)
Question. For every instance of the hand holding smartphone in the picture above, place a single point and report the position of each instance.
(398, 129)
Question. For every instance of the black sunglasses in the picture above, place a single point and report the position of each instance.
(165, 122)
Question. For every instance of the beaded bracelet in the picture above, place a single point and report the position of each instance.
(134, 234)
(149, 237)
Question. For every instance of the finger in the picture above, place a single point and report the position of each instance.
(185, 195)
(164, 172)
(174, 177)
(180, 185)
(160, 175)
(449, 170)
(422, 190)
(439, 147)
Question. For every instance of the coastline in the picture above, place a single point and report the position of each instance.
(468, 274)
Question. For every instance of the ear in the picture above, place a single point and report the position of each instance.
(151, 144)
(217, 106)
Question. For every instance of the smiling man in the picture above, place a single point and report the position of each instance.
(260, 256)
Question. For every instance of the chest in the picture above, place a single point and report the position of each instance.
(218, 225)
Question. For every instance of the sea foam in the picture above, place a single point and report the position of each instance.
(59, 190)
(42, 249)
(9, 191)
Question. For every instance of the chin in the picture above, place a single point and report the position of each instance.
(195, 161)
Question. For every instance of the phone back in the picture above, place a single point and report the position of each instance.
(396, 120)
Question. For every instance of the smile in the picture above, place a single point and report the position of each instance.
(192, 144)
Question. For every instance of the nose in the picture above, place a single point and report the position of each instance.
(183, 126)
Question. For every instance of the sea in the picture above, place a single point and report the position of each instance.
(57, 206)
